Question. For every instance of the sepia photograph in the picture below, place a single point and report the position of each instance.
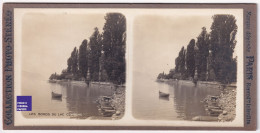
(185, 66)
(129, 66)
(73, 64)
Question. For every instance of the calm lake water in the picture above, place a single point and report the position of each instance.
(182, 104)
(78, 100)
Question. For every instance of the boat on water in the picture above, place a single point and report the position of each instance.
(162, 94)
(52, 81)
(56, 95)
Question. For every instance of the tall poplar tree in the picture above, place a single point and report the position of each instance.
(114, 44)
(95, 54)
(180, 63)
(83, 59)
(202, 53)
(223, 42)
(69, 63)
(190, 59)
(74, 57)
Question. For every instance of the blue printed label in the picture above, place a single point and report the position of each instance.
(24, 103)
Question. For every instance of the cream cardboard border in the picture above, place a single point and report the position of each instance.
(128, 119)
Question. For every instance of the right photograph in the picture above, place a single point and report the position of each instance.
(185, 66)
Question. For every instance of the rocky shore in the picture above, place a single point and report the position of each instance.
(227, 102)
(218, 108)
(113, 106)
(222, 107)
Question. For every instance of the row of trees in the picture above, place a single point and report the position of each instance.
(102, 58)
(87, 59)
(210, 58)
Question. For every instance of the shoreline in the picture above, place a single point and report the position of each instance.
(222, 107)
(112, 107)
(83, 82)
(116, 100)
(219, 108)
(211, 84)
(228, 104)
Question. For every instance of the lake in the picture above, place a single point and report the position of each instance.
(184, 101)
(78, 100)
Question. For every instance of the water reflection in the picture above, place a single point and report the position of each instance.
(77, 98)
(184, 101)
(81, 99)
(164, 98)
(56, 99)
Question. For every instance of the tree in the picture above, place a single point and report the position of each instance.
(69, 63)
(177, 64)
(53, 76)
(190, 59)
(74, 58)
(160, 76)
(202, 53)
(232, 76)
(114, 43)
(171, 74)
(83, 59)
(182, 56)
(223, 42)
(95, 54)
(180, 63)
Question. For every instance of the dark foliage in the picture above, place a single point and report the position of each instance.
(211, 58)
(190, 59)
(83, 56)
(114, 43)
(95, 54)
(103, 58)
(202, 52)
(223, 42)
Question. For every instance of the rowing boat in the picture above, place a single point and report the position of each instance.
(162, 94)
(56, 95)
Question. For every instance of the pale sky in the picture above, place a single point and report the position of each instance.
(158, 40)
(155, 36)
(48, 39)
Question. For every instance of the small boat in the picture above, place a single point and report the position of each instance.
(52, 81)
(56, 95)
(162, 94)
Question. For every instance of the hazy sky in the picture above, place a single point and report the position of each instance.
(155, 36)
(48, 39)
(158, 40)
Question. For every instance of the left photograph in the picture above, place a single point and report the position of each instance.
(72, 65)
